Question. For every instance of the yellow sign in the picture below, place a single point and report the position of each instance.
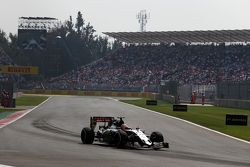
(19, 69)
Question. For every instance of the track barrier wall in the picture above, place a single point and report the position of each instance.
(234, 90)
(233, 103)
(90, 93)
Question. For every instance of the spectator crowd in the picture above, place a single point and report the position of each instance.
(146, 65)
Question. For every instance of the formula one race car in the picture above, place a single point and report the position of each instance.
(115, 132)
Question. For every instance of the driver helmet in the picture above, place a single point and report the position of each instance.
(124, 127)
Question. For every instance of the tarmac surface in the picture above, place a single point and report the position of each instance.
(50, 136)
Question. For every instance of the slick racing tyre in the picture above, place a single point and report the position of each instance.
(87, 135)
(166, 145)
(121, 138)
(156, 137)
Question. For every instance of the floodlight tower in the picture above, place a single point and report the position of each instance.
(143, 17)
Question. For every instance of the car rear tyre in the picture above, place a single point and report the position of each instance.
(156, 137)
(87, 135)
(166, 145)
(121, 138)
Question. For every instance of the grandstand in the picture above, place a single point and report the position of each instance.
(197, 60)
(136, 66)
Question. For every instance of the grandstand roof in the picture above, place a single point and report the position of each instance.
(38, 18)
(218, 36)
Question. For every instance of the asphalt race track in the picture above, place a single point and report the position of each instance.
(50, 136)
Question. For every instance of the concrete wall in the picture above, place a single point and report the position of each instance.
(90, 93)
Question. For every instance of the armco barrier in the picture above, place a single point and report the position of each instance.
(118, 94)
(106, 93)
(48, 92)
(72, 92)
(233, 103)
(90, 93)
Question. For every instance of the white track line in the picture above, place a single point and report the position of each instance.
(5, 166)
(20, 118)
(24, 114)
(235, 138)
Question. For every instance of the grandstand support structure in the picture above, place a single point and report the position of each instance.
(143, 17)
(37, 23)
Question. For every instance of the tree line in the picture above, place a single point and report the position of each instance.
(69, 46)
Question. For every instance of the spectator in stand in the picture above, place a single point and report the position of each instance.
(138, 66)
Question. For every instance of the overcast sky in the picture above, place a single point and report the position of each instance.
(120, 15)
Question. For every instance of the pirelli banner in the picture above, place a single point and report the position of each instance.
(19, 69)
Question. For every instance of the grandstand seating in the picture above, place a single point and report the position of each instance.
(137, 66)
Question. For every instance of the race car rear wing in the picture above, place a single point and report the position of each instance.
(94, 120)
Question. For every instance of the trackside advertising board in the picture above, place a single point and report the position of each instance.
(177, 107)
(235, 119)
(19, 69)
(151, 102)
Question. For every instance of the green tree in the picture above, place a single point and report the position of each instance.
(13, 40)
(88, 34)
(3, 40)
(12, 50)
(69, 46)
(70, 25)
(116, 45)
(79, 23)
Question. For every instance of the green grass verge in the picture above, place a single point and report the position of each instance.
(30, 100)
(209, 116)
(5, 112)
(22, 101)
